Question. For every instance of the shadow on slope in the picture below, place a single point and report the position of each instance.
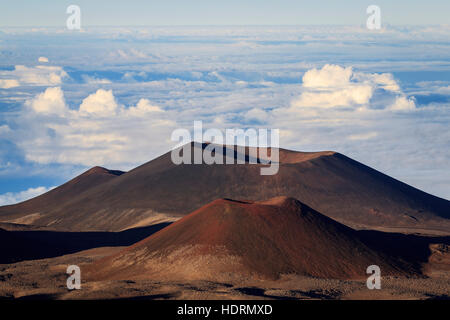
(29, 245)
(408, 247)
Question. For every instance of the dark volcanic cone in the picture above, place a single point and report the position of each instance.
(331, 183)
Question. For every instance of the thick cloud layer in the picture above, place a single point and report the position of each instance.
(99, 131)
(380, 97)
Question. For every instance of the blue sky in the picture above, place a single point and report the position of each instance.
(111, 96)
(212, 12)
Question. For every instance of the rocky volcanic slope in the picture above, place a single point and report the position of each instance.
(329, 182)
(38, 208)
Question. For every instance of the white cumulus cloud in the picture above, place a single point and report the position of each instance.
(142, 107)
(101, 102)
(328, 76)
(336, 97)
(336, 86)
(51, 101)
(403, 103)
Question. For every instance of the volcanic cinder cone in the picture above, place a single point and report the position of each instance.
(229, 238)
(331, 183)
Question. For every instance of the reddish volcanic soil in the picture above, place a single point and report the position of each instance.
(159, 191)
(267, 239)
